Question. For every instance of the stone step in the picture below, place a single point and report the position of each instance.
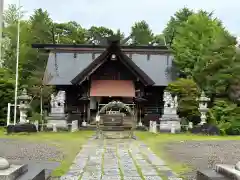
(228, 171)
(13, 172)
(34, 174)
(117, 134)
(115, 128)
(210, 174)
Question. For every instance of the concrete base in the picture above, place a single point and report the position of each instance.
(58, 123)
(167, 124)
(84, 124)
(35, 169)
(210, 174)
(228, 171)
(140, 124)
(13, 172)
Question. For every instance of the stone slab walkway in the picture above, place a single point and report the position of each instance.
(117, 159)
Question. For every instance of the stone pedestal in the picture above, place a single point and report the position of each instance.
(25, 170)
(140, 124)
(57, 114)
(221, 172)
(57, 110)
(84, 123)
(11, 172)
(153, 127)
(57, 117)
(54, 128)
(168, 122)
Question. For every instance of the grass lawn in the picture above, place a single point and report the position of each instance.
(156, 143)
(69, 143)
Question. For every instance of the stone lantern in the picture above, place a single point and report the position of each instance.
(203, 109)
(24, 100)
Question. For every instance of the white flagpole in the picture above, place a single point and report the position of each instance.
(1, 27)
(17, 62)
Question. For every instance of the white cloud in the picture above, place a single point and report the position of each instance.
(122, 14)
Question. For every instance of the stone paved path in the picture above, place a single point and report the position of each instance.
(117, 159)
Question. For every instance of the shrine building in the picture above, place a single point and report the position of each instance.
(94, 75)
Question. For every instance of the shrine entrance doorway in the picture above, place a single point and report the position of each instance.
(116, 118)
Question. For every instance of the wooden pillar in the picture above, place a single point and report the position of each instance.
(88, 112)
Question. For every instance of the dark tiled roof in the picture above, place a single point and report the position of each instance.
(66, 67)
(113, 49)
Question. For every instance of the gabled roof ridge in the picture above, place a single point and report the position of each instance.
(113, 48)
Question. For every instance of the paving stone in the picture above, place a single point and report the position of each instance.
(111, 172)
(168, 174)
(132, 178)
(127, 166)
(96, 168)
(109, 165)
(142, 162)
(92, 171)
(76, 172)
(152, 178)
(131, 173)
(77, 166)
(95, 158)
(91, 175)
(139, 157)
(106, 177)
(149, 172)
(92, 163)
(163, 168)
(67, 177)
(158, 162)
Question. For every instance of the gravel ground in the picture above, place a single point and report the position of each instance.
(203, 154)
(21, 150)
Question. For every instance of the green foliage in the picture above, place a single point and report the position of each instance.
(175, 23)
(187, 92)
(192, 41)
(234, 128)
(226, 115)
(35, 117)
(141, 33)
(158, 39)
(7, 84)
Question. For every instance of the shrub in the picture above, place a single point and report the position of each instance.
(226, 115)
(35, 117)
(187, 92)
(3, 122)
(234, 128)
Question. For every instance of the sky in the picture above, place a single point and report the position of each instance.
(123, 13)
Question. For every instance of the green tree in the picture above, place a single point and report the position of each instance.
(141, 33)
(69, 33)
(159, 39)
(42, 28)
(7, 84)
(176, 21)
(99, 34)
(218, 67)
(193, 40)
